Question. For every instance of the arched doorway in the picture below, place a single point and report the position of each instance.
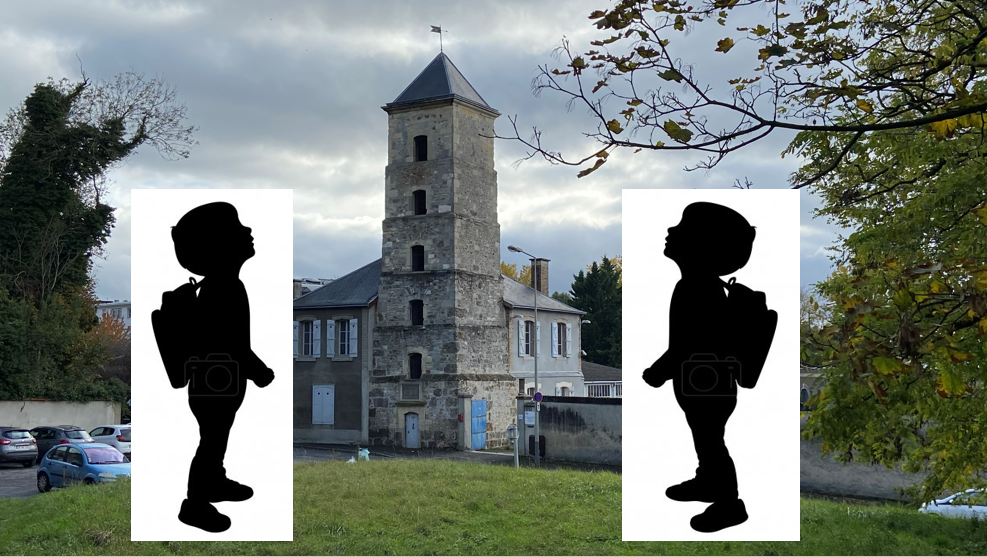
(411, 439)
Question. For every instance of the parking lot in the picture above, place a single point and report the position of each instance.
(17, 481)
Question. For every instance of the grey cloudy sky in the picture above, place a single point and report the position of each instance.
(288, 95)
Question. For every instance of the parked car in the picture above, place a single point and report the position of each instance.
(49, 436)
(968, 504)
(115, 435)
(17, 446)
(87, 463)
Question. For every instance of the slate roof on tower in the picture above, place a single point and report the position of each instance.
(441, 79)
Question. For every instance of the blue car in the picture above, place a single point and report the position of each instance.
(87, 463)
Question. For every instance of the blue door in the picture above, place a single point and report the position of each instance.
(478, 425)
(411, 439)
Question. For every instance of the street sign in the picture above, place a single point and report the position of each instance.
(538, 397)
(529, 417)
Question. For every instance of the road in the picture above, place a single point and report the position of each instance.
(17, 481)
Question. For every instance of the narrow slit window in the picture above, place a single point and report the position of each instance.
(419, 202)
(417, 312)
(415, 366)
(421, 148)
(417, 258)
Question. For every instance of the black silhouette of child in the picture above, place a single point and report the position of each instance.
(210, 241)
(709, 242)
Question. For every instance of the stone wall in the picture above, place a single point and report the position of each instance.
(32, 413)
(579, 429)
(824, 474)
(500, 392)
(463, 340)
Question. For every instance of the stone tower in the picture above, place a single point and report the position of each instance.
(440, 338)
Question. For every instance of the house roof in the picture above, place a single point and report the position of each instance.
(598, 372)
(520, 295)
(356, 289)
(440, 80)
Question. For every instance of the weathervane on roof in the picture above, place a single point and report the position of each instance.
(438, 29)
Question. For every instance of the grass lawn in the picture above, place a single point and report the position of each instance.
(435, 507)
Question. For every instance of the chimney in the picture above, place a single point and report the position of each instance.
(539, 274)
(298, 289)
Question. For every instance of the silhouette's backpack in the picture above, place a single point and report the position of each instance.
(754, 328)
(175, 332)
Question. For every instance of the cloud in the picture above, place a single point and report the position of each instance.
(289, 95)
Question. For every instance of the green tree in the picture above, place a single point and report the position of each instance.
(563, 297)
(510, 269)
(55, 151)
(814, 314)
(905, 353)
(598, 293)
(842, 68)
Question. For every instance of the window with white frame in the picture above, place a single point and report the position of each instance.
(561, 340)
(307, 332)
(525, 330)
(307, 339)
(344, 337)
(347, 335)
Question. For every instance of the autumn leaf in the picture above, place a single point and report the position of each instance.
(677, 132)
(886, 366)
(773, 50)
(671, 75)
(950, 384)
(943, 128)
(588, 171)
(724, 45)
(862, 104)
(982, 214)
(614, 126)
(958, 357)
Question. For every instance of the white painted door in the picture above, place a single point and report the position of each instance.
(411, 430)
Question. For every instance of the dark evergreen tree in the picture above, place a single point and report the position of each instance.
(598, 293)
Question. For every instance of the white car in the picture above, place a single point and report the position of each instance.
(115, 435)
(972, 503)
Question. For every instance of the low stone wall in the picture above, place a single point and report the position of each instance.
(32, 413)
(824, 474)
(580, 429)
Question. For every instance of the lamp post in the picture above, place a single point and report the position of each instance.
(516, 249)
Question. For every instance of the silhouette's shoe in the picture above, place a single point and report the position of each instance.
(690, 490)
(229, 490)
(204, 516)
(719, 516)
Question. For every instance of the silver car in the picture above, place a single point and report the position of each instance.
(971, 503)
(17, 446)
(49, 436)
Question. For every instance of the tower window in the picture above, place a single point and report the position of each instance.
(415, 366)
(421, 148)
(417, 258)
(419, 202)
(417, 312)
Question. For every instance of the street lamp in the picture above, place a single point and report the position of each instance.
(516, 249)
